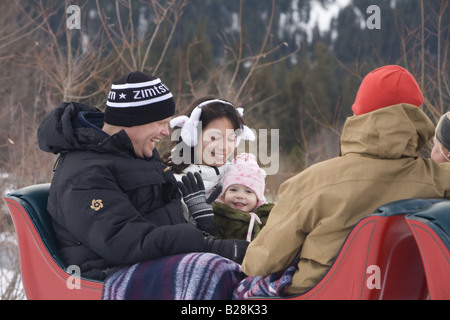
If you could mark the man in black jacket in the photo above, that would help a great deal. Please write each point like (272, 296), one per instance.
(113, 202)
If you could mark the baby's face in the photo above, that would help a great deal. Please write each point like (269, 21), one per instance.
(240, 197)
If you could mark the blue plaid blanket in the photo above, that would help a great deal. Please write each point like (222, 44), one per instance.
(273, 285)
(193, 276)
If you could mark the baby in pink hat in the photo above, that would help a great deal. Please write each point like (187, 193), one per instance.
(242, 209)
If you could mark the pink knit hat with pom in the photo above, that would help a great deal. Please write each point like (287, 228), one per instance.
(244, 170)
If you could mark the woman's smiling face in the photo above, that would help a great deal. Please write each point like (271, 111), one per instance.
(218, 142)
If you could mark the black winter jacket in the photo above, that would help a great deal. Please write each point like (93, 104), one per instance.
(110, 208)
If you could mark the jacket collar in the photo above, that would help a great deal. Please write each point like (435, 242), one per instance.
(389, 133)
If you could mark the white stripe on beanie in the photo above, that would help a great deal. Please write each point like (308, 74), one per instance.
(138, 103)
(136, 85)
(137, 94)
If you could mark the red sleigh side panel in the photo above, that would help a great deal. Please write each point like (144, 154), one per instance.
(43, 271)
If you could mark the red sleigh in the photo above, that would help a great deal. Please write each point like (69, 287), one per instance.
(431, 229)
(402, 251)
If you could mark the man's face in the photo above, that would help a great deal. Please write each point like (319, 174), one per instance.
(145, 137)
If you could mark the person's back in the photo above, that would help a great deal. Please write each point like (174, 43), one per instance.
(379, 163)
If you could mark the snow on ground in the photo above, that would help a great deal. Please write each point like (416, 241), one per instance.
(10, 281)
(7, 291)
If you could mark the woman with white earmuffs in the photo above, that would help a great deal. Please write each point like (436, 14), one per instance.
(204, 141)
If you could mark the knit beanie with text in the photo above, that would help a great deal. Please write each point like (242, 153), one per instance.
(138, 99)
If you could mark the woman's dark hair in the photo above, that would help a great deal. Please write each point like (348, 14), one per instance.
(209, 113)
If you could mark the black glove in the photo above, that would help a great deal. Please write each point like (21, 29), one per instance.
(227, 248)
(194, 196)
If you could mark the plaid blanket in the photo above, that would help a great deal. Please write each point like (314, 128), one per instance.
(273, 285)
(193, 276)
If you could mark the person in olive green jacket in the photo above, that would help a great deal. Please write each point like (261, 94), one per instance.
(242, 210)
(378, 164)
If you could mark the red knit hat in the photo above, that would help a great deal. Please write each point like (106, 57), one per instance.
(387, 86)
